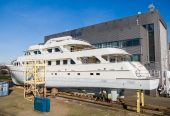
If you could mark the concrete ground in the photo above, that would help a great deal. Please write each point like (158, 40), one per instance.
(130, 96)
(16, 105)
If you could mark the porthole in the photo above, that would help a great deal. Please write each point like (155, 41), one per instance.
(68, 73)
(97, 73)
(78, 73)
(55, 73)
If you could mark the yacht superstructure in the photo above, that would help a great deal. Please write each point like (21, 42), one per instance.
(76, 63)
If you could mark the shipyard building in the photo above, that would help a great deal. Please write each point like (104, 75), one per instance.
(143, 35)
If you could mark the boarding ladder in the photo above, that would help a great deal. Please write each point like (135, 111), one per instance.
(34, 83)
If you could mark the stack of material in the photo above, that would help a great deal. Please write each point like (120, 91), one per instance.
(42, 104)
(4, 88)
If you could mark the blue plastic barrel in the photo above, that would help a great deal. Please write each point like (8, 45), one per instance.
(4, 88)
(47, 104)
(42, 104)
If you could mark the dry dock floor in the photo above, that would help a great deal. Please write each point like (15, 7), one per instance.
(16, 105)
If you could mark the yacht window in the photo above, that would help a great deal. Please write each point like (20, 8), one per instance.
(78, 73)
(27, 53)
(64, 62)
(68, 73)
(72, 62)
(135, 57)
(71, 49)
(58, 62)
(49, 50)
(49, 62)
(112, 60)
(97, 73)
(35, 52)
(39, 52)
(91, 73)
(57, 49)
(89, 60)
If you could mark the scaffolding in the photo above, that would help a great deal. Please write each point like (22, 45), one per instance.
(34, 83)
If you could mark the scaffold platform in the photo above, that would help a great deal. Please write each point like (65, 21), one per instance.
(34, 83)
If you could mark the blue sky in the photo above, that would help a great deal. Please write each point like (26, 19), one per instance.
(26, 22)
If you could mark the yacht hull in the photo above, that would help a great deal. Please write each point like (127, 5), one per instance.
(106, 79)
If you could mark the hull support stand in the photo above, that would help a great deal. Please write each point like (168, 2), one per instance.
(140, 100)
(114, 94)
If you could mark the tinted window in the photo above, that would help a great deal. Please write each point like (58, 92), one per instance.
(135, 57)
(122, 43)
(114, 44)
(72, 62)
(91, 73)
(136, 42)
(64, 61)
(103, 45)
(133, 42)
(150, 28)
(49, 50)
(129, 42)
(97, 73)
(71, 49)
(39, 52)
(35, 52)
(58, 62)
(57, 49)
(151, 46)
(49, 62)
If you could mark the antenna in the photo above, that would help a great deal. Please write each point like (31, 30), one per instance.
(151, 7)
